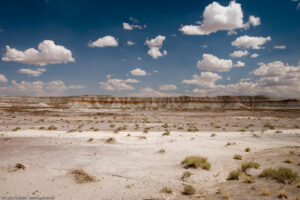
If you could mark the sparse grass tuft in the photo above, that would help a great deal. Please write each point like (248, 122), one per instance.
(234, 175)
(237, 157)
(226, 196)
(166, 133)
(265, 192)
(282, 194)
(195, 162)
(52, 128)
(249, 179)
(270, 126)
(162, 151)
(188, 190)
(166, 190)
(16, 129)
(110, 140)
(249, 165)
(282, 174)
(185, 175)
(288, 160)
(82, 176)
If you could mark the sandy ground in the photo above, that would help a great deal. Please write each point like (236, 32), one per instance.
(133, 168)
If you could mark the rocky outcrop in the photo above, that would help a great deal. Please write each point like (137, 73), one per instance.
(172, 103)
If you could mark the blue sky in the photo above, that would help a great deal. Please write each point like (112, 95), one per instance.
(180, 48)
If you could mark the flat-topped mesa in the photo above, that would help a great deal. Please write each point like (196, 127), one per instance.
(172, 103)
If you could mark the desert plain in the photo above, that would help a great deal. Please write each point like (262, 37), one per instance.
(144, 154)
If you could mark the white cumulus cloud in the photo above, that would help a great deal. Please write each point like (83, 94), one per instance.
(130, 43)
(168, 87)
(212, 63)
(3, 79)
(32, 72)
(48, 53)
(238, 54)
(155, 45)
(280, 47)
(217, 17)
(254, 55)
(239, 64)
(250, 42)
(112, 84)
(138, 72)
(106, 41)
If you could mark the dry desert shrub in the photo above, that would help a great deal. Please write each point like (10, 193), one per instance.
(52, 128)
(188, 190)
(166, 190)
(249, 165)
(234, 175)
(195, 162)
(248, 149)
(185, 175)
(237, 157)
(110, 140)
(16, 129)
(166, 133)
(213, 135)
(288, 160)
(81, 176)
(282, 194)
(265, 192)
(249, 179)
(162, 151)
(282, 174)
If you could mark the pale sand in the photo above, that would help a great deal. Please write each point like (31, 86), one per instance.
(131, 168)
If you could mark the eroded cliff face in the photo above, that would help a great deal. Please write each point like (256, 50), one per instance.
(151, 103)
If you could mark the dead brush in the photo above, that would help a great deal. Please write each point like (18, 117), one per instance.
(82, 177)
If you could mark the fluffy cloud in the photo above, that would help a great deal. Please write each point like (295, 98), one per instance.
(280, 47)
(155, 45)
(149, 92)
(106, 41)
(127, 26)
(213, 63)
(75, 87)
(205, 80)
(138, 72)
(36, 88)
(255, 21)
(250, 42)
(32, 72)
(217, 17)
(239, 64)
(130, 43)
(48, 53)
(238, 54)
(3, 79)
(112, 84)
(255, 55)
(274, 79)
(168, 87)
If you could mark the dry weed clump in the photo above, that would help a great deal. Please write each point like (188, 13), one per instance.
(195, 162)
(81, 176)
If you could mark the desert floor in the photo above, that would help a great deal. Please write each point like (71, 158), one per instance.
(128, 156)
